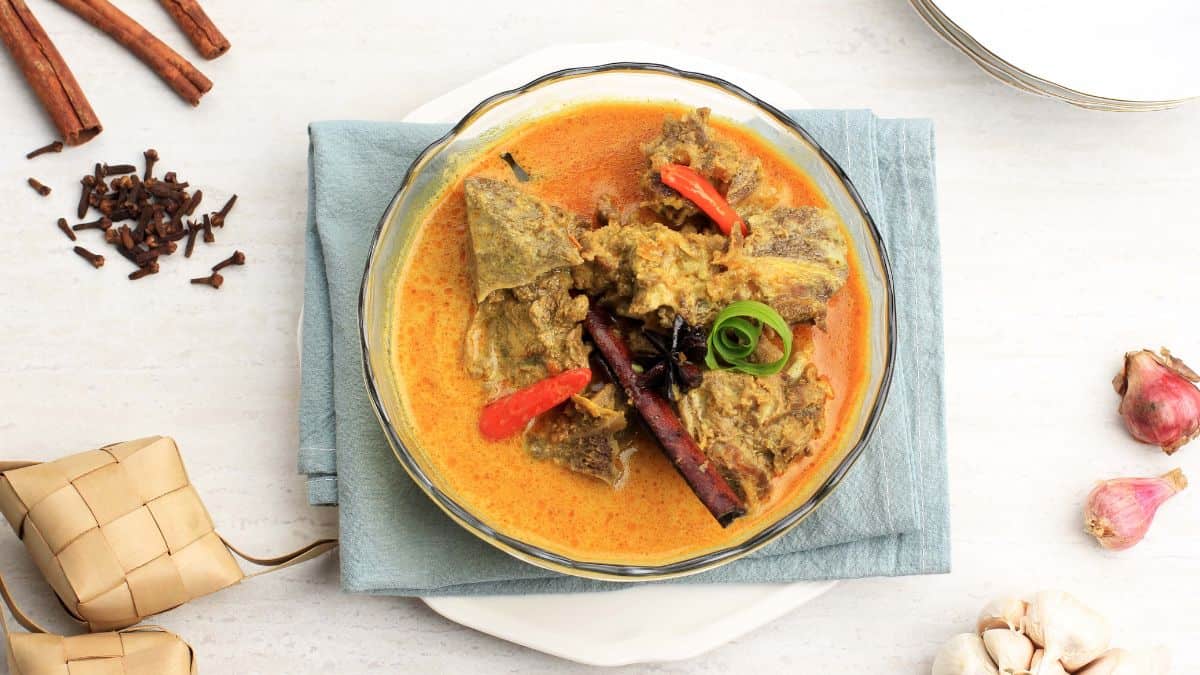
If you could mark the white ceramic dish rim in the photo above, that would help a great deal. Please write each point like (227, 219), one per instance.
(653, 623)
(1005, 71)
(1108, 50)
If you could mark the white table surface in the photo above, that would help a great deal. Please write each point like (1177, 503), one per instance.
(1068, 237)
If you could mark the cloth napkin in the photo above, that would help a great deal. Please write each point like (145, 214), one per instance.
(890, 516)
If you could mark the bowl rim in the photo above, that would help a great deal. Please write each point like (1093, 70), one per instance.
(555, 562)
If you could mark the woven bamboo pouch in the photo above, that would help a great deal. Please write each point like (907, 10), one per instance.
(120, 533)
(145, 650)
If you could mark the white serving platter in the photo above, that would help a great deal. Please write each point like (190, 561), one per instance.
(1111, 49)
(637, 624)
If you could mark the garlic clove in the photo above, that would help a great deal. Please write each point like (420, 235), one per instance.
(1159, 402)
(963, 654)
(1040, 666)
(1066, 629)
(1130, 662)
(1002, 613)
(1118, 512)
(1011, 650)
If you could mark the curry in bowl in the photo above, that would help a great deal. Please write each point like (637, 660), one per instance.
(630, 333)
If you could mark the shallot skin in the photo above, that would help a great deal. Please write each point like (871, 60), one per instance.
(1159, 402)
(1119, 511)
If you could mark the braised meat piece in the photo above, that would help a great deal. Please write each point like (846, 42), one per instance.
(690, 142)
(607, 211)
(515, 237)
(651, 272)
(588, 434)
(520, 335)
(541, 273)
(752, 427)
(794, 260)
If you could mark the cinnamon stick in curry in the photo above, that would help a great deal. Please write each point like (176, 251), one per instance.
(704, 479)
(175, 70)
(200, 30)
(47, 73)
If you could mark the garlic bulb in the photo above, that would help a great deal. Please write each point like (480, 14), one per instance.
(1040, 666)
(1051, 634)
(1127, 662)
(1011, 651)
(964, 654)
(1066, 630)
(1002, 613)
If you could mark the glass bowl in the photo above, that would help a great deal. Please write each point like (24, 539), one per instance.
(437, 165)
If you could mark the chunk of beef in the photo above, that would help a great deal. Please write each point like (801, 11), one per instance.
(588, 434)
(651, 272)
(515, 237)
(607, 211)
(794, 259)
(520, 335)
(690, 141)
(752, 427)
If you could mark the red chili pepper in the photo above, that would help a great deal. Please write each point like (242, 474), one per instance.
(509, 415)
(696, 188)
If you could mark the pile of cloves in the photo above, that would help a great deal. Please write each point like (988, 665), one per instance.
(145, 218)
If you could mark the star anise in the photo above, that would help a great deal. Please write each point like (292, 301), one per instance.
(673, 366)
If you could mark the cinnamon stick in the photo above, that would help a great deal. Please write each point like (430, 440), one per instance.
(709, 485)
(47, 73)
(200, 30)
(175, 70)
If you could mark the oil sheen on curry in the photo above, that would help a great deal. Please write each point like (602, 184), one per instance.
(630, 333)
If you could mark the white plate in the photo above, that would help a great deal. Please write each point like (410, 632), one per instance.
(640, 623)
(1115, 49)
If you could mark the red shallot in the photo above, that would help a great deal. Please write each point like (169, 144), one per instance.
(1119, 511)
(1159, 402)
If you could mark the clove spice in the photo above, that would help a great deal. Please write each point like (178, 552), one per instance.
(117, 169)
(151, 156)
(37, 185)
(192, 203)
(215, 280)
(85, 199)
(146, 271)
(62, 225)
(102, 224)
(55, 146)
(238, 258)
(191, 242)
(97, 261)
(219, 216)
(143, 217)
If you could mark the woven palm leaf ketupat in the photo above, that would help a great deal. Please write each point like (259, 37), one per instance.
(137, 651)
(144, 650)
(120, 534)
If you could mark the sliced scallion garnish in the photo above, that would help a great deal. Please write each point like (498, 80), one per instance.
(735, 334)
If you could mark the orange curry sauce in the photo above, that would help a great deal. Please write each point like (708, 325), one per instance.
(575, 156)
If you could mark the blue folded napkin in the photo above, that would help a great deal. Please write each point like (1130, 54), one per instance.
(890, 516)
